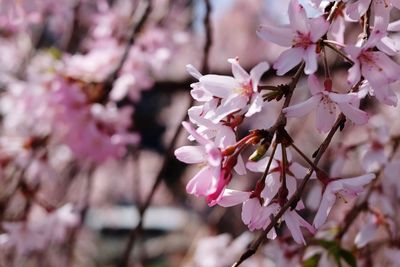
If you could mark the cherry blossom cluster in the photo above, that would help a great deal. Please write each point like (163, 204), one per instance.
(224, 104)
(71, 73)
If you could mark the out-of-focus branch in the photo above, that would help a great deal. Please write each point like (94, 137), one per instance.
(135, 233)
(138, 25)
(363, 204)
(84, 207)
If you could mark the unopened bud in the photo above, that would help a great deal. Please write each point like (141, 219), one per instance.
(259, 152)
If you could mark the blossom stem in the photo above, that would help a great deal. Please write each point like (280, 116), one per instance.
(326, 66)
(338, 51)
(309, 161)
(262, 178)
(295, 197)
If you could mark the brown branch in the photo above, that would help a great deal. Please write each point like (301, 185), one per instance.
(295, 198)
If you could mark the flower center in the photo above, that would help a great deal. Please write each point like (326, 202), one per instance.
(302, 40)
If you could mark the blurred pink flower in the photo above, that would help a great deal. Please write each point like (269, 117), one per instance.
(302, 35)
(348, 187)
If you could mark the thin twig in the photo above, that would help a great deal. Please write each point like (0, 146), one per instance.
(294, 199)
(338, 51)
(137, 27)
(169, 152)
(363, 204)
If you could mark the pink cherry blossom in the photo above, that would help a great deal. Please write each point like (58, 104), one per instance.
(273, 179)
(238, 93)
(348, 187)
(376, 67)
(205, 181)
(302, 35)
(326, 103)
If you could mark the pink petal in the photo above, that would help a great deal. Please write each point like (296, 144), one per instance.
(238, 72)
(303, 108)
(257, 72)
(278, 35)
(337, 29)
(193, 71)
(328, 199)
(199, 138)
(203, 183)
(272, 185)
(256, 105)
(319, 26)
(214, 156)
(288, 60)
(233, 197)
(298, 18)
(326, 115)
(218, 85)
(249, 209)
(298, 170)
(310, 58)
(394, 26)
(225, 136)
(357, 9)
(240, 168)
(294, 227)
(190, 154)
(366, 234)
(343, 98)
(354, 114)
(386, 95)
(314, 85)
(354, 74)
(228, 106)
(260, 165)
(387, 46)
(359, 180)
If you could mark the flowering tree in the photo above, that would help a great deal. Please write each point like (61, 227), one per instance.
(295, 189)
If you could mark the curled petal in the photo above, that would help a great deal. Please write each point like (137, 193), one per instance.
(257, 72)
(238, 72)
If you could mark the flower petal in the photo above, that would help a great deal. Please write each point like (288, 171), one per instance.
(303, 108)
(354, 114)
(278, 35)
(238, 72)
(190, 154)
(257, 72)
(233, 197)
(288, 60)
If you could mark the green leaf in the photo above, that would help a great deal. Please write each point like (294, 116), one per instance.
(312, 261)
(348, 257)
